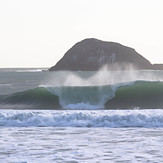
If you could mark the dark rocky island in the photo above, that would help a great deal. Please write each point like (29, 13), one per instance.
(93, 54)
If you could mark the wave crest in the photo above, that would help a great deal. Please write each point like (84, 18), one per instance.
(141, 94)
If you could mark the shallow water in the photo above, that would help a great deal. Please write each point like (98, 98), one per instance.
(68, 144)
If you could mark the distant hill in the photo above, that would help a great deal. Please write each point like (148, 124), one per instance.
(92, 54)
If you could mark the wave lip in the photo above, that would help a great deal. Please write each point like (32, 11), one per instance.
(83, 97)
(98, 118)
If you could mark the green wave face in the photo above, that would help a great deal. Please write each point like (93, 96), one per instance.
(140, 95)
(38, 98)
(78, 97)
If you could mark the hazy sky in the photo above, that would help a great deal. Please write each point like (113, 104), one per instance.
(37, 33)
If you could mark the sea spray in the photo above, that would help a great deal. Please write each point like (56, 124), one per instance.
(99, 78)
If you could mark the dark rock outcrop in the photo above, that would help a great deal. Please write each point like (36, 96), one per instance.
(92, 54)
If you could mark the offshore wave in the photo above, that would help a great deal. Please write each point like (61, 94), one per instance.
(138, 94)
(143, 94)
(38, 98)
(97, 118)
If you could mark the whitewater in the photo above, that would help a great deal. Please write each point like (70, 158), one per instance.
(80, 118)
(106, 116)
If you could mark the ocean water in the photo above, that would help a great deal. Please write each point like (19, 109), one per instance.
(81, 116)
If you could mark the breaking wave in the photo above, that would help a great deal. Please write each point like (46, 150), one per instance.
(96, 118)
(138, 94)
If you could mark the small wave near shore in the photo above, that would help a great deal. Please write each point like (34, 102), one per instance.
(78, 118)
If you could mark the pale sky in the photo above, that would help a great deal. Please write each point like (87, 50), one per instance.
(37, 33)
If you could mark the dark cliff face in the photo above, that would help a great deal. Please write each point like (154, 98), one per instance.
(92, 54)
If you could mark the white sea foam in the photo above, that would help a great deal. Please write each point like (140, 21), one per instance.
(82, 145)
(82, 106)
(82, 118)
(29, 70)
(2, 85)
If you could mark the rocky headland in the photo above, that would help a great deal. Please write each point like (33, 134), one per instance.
(93, 54)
